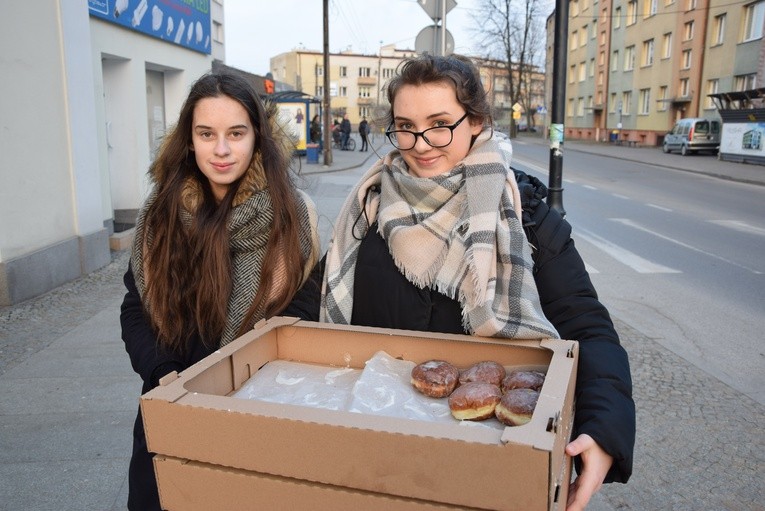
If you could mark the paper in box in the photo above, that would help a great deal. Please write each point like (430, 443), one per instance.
(250, 449)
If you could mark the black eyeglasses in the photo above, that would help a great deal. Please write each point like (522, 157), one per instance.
(437, 136)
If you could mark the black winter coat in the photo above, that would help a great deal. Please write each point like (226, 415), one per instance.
(383, 297)
(151, 364)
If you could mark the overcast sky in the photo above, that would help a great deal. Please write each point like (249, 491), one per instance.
(256, 30)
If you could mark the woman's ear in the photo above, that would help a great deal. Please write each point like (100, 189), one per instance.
(476, 127)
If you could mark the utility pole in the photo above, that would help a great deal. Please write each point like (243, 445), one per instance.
(555, 184)
(326, 100)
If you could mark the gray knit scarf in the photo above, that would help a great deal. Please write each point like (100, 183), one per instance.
(249, 227)
(458, 233)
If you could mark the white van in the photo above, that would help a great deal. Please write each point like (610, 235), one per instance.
(693, 134)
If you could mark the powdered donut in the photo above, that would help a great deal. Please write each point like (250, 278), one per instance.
(486, 372)
(435, 378)
(523, 380)
(516, 406)
(474, 401)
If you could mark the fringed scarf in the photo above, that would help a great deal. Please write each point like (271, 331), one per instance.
(458, 233)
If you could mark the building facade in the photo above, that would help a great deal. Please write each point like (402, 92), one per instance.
(93, 89)
(637, 66)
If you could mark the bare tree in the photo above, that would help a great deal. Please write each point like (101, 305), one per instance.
(508, 32)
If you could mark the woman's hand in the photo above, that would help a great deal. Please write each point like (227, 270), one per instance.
(595, 465)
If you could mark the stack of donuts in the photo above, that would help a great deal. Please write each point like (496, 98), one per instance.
(481, 391)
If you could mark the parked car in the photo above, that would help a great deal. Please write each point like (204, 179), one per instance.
(693, 134)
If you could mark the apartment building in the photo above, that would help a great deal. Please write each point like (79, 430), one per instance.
(636, 66)
(90, 89)
(357, 83)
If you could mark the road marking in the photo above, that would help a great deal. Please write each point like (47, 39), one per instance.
(630, 223)
(624, 256)
(662, 208)
(620, 196)
(740, 226)
(589, 268)
(589, 187)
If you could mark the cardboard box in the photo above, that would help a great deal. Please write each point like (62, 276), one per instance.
(275, 456)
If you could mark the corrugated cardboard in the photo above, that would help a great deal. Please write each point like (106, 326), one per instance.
(192, 421)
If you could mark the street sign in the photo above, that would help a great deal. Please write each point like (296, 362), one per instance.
(429, 40)
(517, 107)
(516, 115)
(433, 7)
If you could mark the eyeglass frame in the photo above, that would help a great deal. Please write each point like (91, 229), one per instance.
(416, 134)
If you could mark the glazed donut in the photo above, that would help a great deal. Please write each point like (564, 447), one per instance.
(486, 372)
(474, 401)
(435, 378)
(523, 380)
(516, 406)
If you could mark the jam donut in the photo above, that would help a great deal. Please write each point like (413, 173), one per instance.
(523, 380)
(435, 378)
(474, 401)
(486, 372)
(516, 406)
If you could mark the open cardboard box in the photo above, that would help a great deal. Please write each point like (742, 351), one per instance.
(249, 454)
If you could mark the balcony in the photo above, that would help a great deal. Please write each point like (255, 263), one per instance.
(365, 101)
(367, 80)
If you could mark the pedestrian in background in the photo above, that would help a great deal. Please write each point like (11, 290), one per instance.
(363, 133)
(345, 132)
(223, 240)
(315, 130)
(466, 244)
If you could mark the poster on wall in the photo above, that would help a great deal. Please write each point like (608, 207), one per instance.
(743, 139)
(183, 22)
(293, 119)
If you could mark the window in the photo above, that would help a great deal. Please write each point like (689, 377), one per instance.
(632, 12)
(647, 58)
(342, 91)
(594, 31)
(388, 72)
(662, 106)
(580, 107)
(683, 90)
(618, 17)
(603, 38)
(600, 97)
(319, 70)
(645, 101)
(686, 59)
(626, 102)
(688, 31)
(574, 40)
(582, 71)
(629, 58)
(572, 74)
(666, 46)
(754, 15)
(583, 36)
(319, 91)
(712, 86)
(574, 7)
(612, 103)
(592, 67)
(745, 82)
(719, 30)
(600, 79)
(602, 58)
(365, 71)
(364, 111)
(570, 107)
(217, 32)
(585, 5)
(614, 61)
(650, 8)
(690, 5)
(343, 71)
(365, 92)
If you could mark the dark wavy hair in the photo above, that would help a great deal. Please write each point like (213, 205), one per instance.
(188, 270)
(456, 70)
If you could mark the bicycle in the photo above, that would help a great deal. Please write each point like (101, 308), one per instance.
(351, 144)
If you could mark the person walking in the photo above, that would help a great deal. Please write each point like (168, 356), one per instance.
(315, 130)
(345, 132)
(223, 240)
(363, 133)
(443, 235)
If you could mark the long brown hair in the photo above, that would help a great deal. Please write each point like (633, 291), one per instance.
(188, 269)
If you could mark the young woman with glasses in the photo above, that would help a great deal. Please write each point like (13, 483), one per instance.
(442, 235)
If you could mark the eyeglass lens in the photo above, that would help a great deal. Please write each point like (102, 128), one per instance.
(436, 137)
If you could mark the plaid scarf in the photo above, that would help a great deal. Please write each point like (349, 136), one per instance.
(458, 233)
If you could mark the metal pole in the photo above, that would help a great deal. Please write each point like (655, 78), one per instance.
(443, 28)
(326, 100)
(555, 185)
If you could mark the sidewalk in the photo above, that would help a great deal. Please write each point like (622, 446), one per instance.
(70, 396)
